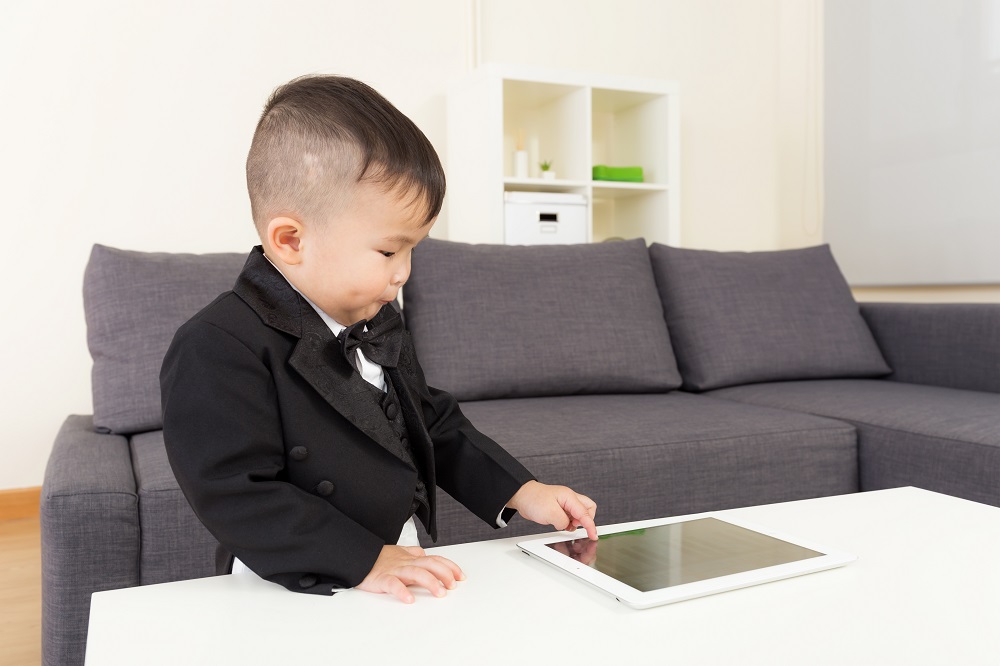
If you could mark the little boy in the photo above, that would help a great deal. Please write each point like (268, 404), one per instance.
(295, 415)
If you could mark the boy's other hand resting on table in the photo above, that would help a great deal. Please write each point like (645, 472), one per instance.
(399, 566)
(558, 506)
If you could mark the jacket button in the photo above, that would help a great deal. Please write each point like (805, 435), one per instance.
(299, 453)
(307, 581)
(390, 410)
(324, 488)
(405, 442)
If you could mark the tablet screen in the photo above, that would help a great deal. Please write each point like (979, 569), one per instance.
(667, 555)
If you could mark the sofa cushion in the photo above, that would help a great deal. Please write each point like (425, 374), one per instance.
(648, 456)
(174, 543)
(746, 317)
(134, 302)
(941, 439)
(499, 321)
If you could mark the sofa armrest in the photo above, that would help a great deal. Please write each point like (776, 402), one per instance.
(955, 345)
(90, 532)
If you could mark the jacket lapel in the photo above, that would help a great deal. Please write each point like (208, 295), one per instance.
(317, 355)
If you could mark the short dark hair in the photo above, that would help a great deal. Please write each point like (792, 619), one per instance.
(320, 135)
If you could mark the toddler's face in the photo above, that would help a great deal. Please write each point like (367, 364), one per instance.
(356, 262)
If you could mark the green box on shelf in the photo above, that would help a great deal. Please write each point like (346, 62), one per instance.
(631, 174)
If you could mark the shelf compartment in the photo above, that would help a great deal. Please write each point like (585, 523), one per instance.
(616, 214)
(630, 129)
(551, 118)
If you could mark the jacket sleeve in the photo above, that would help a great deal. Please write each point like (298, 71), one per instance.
(470, 466)
(223, 437)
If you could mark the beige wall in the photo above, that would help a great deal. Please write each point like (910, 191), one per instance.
(799, 124)
(127, 123)
(724, 53)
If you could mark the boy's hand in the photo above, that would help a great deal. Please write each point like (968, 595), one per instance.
(399, 566)
(558, 506)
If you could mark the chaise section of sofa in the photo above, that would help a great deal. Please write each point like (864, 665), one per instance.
(935, 421)
(920, 383)
(941, 439)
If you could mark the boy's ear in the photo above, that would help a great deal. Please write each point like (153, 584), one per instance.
(284, 235)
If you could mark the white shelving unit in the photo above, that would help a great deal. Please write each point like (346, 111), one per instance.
(576, 121)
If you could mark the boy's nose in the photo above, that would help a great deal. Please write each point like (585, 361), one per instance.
(402, 274)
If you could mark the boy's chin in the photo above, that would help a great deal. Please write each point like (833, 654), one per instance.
(373, 310)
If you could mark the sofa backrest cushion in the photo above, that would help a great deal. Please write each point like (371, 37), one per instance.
(746, 317)
(133, 303)
(501, 321)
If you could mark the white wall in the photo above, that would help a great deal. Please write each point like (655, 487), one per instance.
(127, 124)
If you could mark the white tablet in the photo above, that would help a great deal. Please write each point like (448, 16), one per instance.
(661, 561)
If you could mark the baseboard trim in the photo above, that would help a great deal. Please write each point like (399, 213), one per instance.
(18, 503)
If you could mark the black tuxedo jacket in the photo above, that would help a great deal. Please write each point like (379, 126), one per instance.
(279, 448)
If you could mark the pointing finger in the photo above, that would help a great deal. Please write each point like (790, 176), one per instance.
(581, 515)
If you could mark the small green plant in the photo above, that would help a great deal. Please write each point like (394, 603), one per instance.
(546, 165)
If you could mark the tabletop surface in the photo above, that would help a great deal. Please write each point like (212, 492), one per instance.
(925, 590)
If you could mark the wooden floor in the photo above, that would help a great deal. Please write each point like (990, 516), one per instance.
(20, 593)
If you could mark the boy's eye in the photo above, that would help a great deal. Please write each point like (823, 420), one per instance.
(388, 254)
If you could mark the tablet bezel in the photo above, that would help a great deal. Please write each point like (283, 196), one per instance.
(828, 559)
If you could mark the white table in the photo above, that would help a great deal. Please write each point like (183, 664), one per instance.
(925, 590)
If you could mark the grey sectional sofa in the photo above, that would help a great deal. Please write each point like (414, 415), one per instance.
(658, 381)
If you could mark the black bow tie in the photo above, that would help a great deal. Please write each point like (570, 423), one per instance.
(382, 341)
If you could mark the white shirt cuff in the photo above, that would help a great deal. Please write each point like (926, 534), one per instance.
(500, 521)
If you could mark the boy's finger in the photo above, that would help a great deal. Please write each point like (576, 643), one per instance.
(456, 571)
(587, 523)
(581, 516)
(416, 575)
(392, 585)
(442, 571)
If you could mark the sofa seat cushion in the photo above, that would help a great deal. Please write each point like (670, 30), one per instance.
(500, 321)
(648, 456)
(941, 439)
(174, 543)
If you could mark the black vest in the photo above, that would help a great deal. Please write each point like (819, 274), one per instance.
(389, 403)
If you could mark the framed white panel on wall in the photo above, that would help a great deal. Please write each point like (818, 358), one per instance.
(912, 141)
